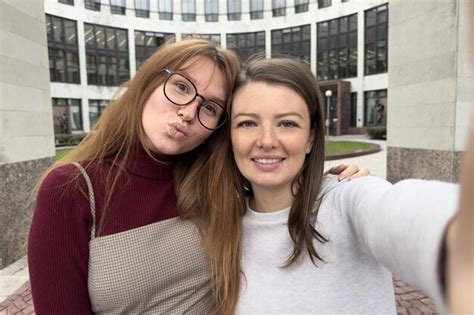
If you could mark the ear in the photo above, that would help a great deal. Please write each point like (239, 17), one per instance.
(309, 145)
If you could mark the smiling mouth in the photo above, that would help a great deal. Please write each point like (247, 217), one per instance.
(267, 161)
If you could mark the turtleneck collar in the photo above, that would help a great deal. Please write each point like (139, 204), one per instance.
(142, 164)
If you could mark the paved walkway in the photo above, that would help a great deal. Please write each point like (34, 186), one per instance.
(15, 292)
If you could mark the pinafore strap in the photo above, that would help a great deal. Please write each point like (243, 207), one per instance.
(91, 196)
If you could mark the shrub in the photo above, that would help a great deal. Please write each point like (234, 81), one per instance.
(65, 139)
(377, 132)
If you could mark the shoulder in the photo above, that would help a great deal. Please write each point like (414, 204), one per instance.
(60, 177)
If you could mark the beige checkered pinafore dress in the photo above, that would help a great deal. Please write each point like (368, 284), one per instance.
(159, 268)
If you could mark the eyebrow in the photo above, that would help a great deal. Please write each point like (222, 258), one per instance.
(276, 116)
(193, 80)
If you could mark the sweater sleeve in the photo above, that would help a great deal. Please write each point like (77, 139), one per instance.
(402, 226)
(58, 250)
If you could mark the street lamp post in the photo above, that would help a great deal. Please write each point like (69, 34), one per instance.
(328, 108)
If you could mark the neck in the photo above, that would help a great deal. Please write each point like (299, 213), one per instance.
(270, 200)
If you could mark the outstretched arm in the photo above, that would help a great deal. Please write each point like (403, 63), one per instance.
(460, 242)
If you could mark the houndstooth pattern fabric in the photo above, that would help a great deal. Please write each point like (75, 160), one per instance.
(159, 268)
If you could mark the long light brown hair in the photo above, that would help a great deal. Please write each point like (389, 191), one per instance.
(232, 187)
(119, 130)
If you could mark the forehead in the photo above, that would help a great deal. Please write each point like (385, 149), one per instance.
(205, 75)
(264, 98)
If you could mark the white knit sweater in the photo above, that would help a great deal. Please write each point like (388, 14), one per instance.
(372, 227)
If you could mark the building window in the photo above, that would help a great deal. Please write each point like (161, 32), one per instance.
(301, 6)
(96, 107)
(376, 35)
(62, 49)
(375, 108)
(188, 10)
(67, 115)
(106, 55)
(117, 7)
(165, 9)
(256, 9)
(215, 38)
(247, 44)
(146, 43)
(70, 2)
(278, 7)
(93, 5)
(142, 8)
(324, 3)
(211, 10)
(353, 109)
(337, 48)
(293, 41)
(234, 10)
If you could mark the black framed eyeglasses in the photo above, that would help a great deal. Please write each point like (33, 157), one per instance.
(181, 91)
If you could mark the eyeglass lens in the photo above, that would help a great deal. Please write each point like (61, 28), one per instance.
(181, 91)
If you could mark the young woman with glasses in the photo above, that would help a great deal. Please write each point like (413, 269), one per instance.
(106, 234)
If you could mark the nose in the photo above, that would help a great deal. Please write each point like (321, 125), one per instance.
(188, 112)
(267, 139)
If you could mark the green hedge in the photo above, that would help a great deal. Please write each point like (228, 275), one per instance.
(377, 132)
(65, 139)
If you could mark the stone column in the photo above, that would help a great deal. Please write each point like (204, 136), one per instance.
(429, 88)
(27, 136)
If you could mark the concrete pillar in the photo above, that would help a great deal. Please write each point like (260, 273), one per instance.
(27, 136)
(429, 88)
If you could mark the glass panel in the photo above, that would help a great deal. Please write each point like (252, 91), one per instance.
(370, 18)
(60, 66)
(122, 41)
(110, 38)
(58, 29)
(100, 36)
(70, 32)
(343, 24)
(382, 14)
(124, 72)
(76, 117)
(112, 70)
(89, 35)
(276, 37)
(91, 69)
(353, 22)
(139, 38)
(333, 27)
(72, 67)
(323, 29)
(102, 70)
(261, 39)
(49, 28)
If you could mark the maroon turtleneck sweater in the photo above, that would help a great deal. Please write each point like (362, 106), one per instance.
(58, 249)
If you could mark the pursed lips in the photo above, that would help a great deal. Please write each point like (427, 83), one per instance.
(179, 129)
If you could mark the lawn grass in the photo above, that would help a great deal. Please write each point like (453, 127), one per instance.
(60, 153)
(332, 147)
(339, 147)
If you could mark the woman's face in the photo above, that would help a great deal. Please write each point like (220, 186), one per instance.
(270, 132)
(173, 129)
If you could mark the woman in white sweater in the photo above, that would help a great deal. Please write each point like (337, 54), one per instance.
(308, 243)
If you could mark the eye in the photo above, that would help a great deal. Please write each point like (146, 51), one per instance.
(246, 124)
(288, 124)
(211, 109)
(182, 88)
